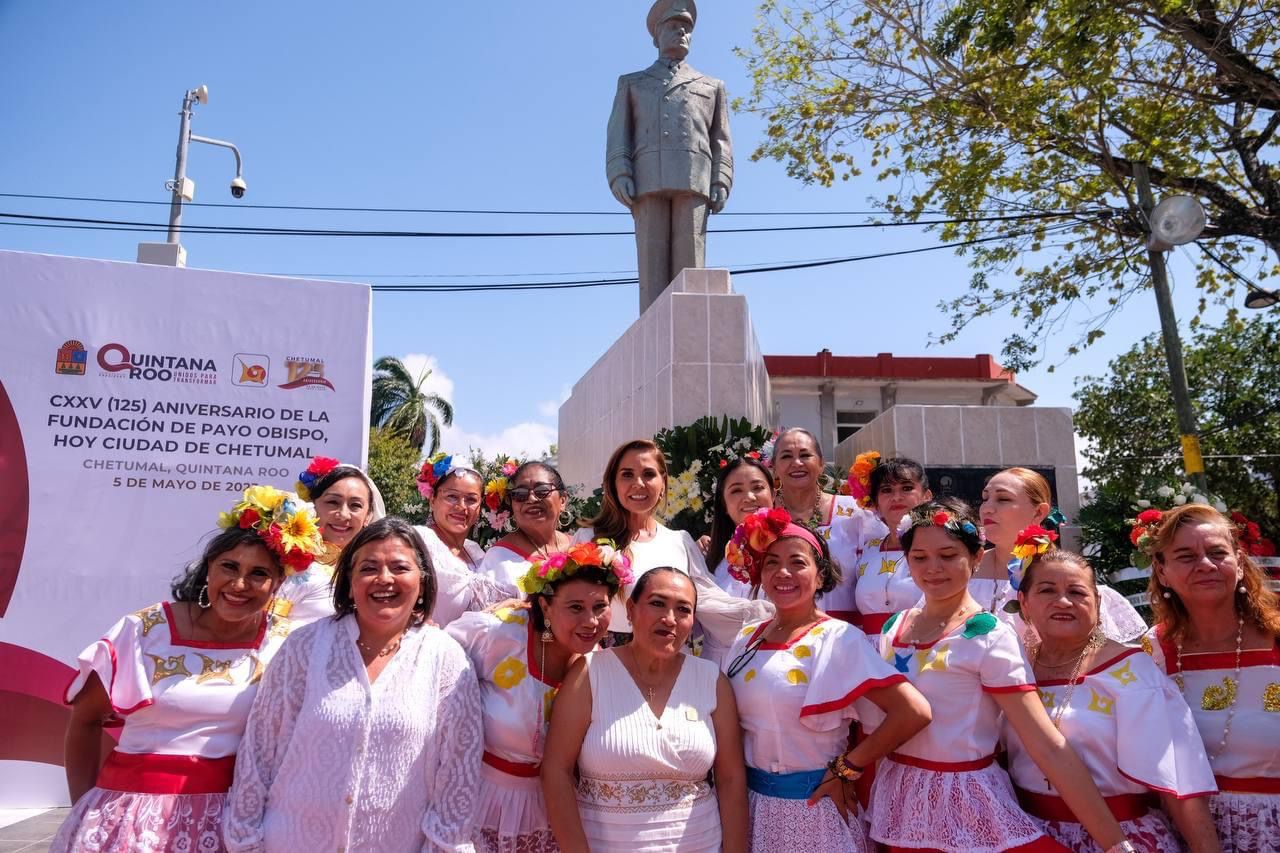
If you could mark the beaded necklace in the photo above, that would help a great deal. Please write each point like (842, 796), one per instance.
(1231, 685)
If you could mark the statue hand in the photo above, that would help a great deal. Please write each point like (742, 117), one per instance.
(719, 195)
(624, 190)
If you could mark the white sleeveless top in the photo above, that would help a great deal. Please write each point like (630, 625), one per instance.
(643, 783)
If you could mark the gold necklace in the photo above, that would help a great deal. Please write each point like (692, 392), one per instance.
(1056, 717)
(389, 649)
(545, 550)
(947, 626)
(1231, 686)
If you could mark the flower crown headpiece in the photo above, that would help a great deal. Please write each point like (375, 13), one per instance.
(766, 449)
(600, 554)
(1143, 534)
(319, 468)
(431, 471)
(1033, 541)
(288, 526)
(752, 538)
(859, 482)
(732, 456)
(948, 521)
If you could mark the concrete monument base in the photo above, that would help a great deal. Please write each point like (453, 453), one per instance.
(693, 352)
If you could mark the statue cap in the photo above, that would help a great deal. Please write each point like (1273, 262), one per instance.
(665, 10)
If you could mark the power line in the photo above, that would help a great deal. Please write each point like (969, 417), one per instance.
(616, 282)
(259, 231)
(444, 210)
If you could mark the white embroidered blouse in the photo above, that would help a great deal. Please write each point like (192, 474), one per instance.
(332, 762)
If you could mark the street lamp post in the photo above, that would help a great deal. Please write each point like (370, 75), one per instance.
(1192, 461)
(171, 252)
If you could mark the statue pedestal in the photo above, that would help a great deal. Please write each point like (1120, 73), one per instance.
(693, 352)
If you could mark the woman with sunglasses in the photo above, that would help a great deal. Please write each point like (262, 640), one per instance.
(537, 497)
(799, 679)
(453, 510)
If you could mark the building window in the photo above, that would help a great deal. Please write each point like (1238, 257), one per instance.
(847, 423)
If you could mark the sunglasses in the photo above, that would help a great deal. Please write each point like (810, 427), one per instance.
(541, 491)
(740, 663)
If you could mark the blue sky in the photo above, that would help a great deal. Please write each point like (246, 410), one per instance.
(466, 105)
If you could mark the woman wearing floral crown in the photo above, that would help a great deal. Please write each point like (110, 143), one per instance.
(799, 679)
(1127, 722)
(1012, 500)
(521, 657)
(1217, 635)
(454, 496)
(180, 676)
(634, 484)
(537, 499)
(970, 667)
(345, 500)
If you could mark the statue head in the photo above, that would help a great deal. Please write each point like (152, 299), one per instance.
(671, 24)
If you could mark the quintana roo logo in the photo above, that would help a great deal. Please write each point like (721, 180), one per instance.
(72, 359)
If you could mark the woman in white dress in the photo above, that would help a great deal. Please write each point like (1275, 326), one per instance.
(537, 498)
(643, 725)
(634, 484)
(1217, 636)
(521, 657)
(345, 500)
(1119, 712)
(180, 676)
(970, 667)
(453, 510)
(1012, 500)
(797, 468)
(366, 733)
(799, 680)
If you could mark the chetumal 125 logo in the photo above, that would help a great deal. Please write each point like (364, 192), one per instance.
(250, 370)
(72, 359)
(305, 373)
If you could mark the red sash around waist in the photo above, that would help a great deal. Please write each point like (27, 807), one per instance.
(153, 773)
(1258, 785)
(941, 766)
(1046, 807)
(511, 768)
(853, 617)
(872, 623)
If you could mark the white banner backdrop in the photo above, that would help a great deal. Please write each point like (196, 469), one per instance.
(136, 402)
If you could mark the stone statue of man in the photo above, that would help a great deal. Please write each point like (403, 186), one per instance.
(668, 157)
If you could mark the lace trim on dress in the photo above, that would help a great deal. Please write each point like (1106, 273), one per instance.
(639, 796)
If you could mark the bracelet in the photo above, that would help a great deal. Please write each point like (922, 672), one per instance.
(842, 769)
(1125, 846)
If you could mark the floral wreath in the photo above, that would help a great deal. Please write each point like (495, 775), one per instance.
(432, 470)
(859, 482)
(287, 525)
(766, 449)
(319, 468)
(733, 456)
(753, 537)
(948, 521)
(1143, 535)
(1033, 541)
(600, 554)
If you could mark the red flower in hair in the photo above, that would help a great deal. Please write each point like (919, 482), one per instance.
(754, 454)
(249, 518)
(941, 517)
(321, 466)
(724, 463)
(1150, 516)
(779, 518)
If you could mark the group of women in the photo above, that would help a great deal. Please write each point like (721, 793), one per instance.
(879, 671)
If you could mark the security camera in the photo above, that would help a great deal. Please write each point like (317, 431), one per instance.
(238, 187)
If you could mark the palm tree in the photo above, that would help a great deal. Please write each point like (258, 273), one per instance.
(400, 406)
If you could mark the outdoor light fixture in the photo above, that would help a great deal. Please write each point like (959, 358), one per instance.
(1177, 220)
(1259, 298)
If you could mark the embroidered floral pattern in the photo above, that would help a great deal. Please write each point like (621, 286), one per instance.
(1271, 698)
(644, 795)
(1217, 698)
(509, 673)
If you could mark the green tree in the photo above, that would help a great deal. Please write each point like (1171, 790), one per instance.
(393, 467)
(990, 108)
(400, 406)
(1128, 419)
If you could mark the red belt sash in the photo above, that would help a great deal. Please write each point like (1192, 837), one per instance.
(941, 766)
(152, 773)
(872, 623)
(1259, 785)
(853, 617)
(1046, 807)
(512, 768)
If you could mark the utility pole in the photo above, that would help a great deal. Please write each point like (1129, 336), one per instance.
(1192, 461)
(180, 170)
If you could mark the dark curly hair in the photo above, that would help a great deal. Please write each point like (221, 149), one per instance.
(187, 586)
(344, 603)
(898, 469)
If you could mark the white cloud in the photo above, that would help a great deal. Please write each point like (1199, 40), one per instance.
(551, 408)
(527, 439)
(438, 382)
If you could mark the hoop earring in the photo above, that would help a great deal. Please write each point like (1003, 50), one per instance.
(202, 598)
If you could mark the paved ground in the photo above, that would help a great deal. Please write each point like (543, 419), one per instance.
(32, 834)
